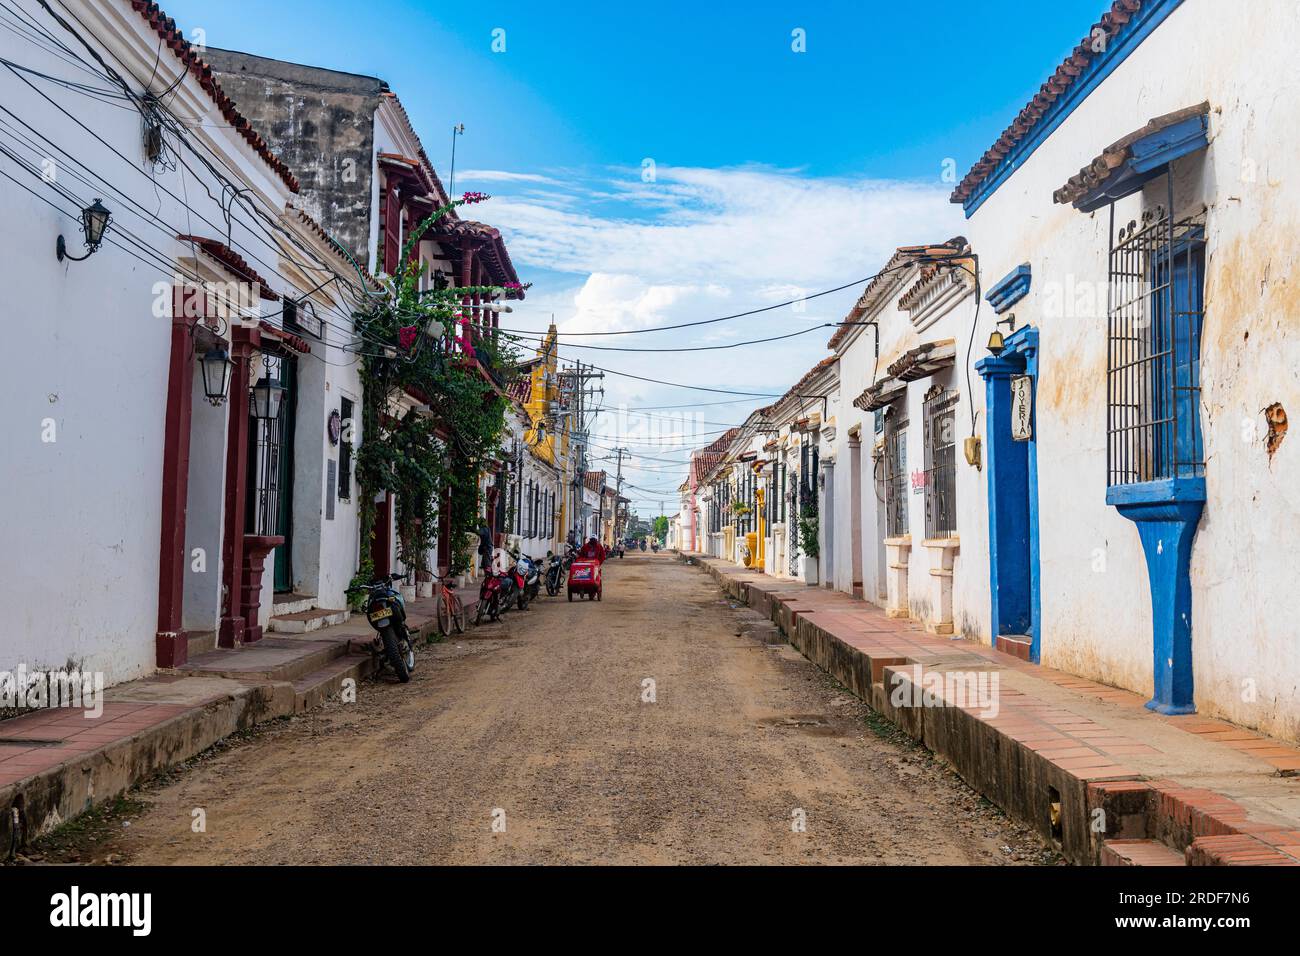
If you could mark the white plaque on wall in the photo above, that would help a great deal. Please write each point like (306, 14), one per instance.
(1022, 408)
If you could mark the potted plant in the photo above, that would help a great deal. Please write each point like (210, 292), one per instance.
(423, 584)
(803, 536)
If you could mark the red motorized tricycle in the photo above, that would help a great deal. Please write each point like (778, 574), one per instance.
(584, 578)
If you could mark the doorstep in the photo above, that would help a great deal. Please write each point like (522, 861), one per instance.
(58, 763)
(1059, 747)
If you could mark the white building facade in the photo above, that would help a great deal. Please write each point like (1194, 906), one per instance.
(1143, 521)
(146, 472)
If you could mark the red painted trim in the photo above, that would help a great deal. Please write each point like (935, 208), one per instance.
(392, 228)
(256, 548)
(245, 340)
(381, 545)
(171, 648)
(295, 342)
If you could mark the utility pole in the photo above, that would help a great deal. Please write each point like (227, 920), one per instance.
(575, 384)
(618, 489)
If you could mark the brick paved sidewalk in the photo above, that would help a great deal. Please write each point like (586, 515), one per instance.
(1057, 748)
(59, 762)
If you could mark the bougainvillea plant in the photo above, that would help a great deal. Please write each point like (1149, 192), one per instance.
(409, 345)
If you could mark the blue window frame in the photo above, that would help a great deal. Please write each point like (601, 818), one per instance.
(1157, 276)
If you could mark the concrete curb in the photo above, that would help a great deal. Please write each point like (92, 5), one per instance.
(37, 804)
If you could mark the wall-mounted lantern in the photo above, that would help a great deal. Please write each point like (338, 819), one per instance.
(215, 365)
(94, 222)
(268, 394)
(996, 342)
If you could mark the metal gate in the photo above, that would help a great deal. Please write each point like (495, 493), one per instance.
(940, 463)
(896, 472)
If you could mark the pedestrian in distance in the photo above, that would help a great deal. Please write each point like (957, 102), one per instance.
(485, 547)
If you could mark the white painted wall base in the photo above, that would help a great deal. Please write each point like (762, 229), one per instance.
(897, 553)
(942, 552)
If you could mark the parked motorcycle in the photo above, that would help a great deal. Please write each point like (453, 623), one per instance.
(496, 595)
(556, 569)
(531, 579)
(386, 612)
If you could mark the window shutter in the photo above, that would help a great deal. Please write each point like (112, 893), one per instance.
(392, 228)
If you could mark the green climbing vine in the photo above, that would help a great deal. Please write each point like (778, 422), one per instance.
(444, 445)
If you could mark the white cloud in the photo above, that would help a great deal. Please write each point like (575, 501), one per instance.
(609, 252)
(753, 225)
(504, 176)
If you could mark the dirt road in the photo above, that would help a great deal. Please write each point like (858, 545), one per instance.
(546, 725)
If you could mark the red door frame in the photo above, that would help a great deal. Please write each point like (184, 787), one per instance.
(381, 544)
(171, 648)
(244, 341)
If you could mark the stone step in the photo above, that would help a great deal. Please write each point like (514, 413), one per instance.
(1242, 849)
(1140, 853)
(270, 659)
(315, 688)
(1017, 645)
(300, 622)
(200, 642)
(292, 603)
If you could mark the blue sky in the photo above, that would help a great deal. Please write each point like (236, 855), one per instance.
(776, 173)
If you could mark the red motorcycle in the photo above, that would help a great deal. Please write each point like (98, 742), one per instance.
(500, 591)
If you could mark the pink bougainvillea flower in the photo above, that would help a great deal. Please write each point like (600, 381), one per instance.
(470, 198)
(407, 335)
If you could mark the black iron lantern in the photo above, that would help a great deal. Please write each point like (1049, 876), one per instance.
(268, 393)
(996, 342)
(215, 365)
(94, 222)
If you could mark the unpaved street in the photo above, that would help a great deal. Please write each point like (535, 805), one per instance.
(539, 723)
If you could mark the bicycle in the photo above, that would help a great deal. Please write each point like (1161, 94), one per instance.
(451, 612)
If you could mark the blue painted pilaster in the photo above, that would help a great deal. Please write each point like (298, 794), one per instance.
(1166, 513)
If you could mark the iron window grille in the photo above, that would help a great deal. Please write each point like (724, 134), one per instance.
(795, 489)
(269, 463)
(1155, 312)
(896, 473)
(345, 450)
(940, 463)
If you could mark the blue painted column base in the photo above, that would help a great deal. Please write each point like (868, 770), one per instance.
(1166, 513)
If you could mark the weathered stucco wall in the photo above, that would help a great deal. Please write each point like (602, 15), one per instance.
(321, 123)
(88, 397)
(858, 367)
(1095, 602)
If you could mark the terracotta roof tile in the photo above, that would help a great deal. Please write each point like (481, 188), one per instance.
(234, 263)
(424, 158)
(1117, 153)
(167, 30)
(883, 281)
(1107, 28)
(319, 230)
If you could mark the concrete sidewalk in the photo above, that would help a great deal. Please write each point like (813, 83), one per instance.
(59, 762)
(1086, 764)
